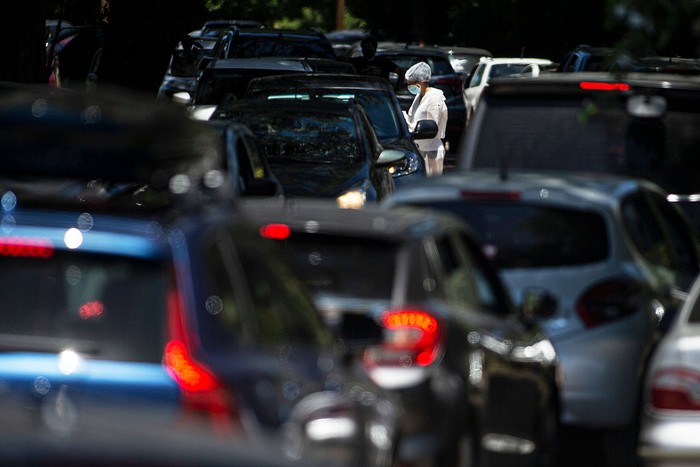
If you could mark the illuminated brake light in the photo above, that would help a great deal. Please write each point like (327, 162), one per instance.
(190, 375)
(202, 391)
(275, 231)
(26, 247)
(491, 195)
(597, 86)
(675, 389)
(412, 337)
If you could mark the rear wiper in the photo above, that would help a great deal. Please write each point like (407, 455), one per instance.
(17, 343)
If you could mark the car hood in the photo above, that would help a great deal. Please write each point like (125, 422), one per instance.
(302, 179)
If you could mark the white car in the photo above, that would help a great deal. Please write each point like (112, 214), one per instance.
(615, 257)
(670, 421)
(493, 67)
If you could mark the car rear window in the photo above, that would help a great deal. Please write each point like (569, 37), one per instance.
(333, 264)
(593, 136)
(532, 236)
(109, 307)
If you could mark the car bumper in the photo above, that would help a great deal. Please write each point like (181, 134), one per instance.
(669, 441)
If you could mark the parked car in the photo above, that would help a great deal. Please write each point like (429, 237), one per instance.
(270, 42)
(669, 420)
(443, 77)
(114, 308)
(228, 79)
(612, 254)
(494, 67)
(464, 59)
(633, 124)
(375, 95)
(477, 378)
(318, 149)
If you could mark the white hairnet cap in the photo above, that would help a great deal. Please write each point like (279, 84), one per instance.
(418, 72)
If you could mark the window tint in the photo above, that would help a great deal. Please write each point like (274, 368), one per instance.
(594, 135)
(466, 284)
(507, 69)
(645, 231)
(333, 264)
(282, 309)
(530, 236)
(111, 307)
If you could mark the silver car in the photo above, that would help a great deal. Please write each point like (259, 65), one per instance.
(670, 420)
(614, 256)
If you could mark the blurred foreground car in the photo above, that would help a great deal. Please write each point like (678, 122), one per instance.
(613, 255)
(175, 308)
(377, 98)
(318, 149)
(477, 379)
(670, 419)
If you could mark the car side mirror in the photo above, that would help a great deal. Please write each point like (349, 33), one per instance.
(538, 303)
(390, 156)
(182, 97)
(425, 129)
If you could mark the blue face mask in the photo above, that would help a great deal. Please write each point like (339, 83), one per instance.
(413, 89)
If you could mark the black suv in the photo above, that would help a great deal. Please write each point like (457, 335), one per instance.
(268, 42)
(635, 124)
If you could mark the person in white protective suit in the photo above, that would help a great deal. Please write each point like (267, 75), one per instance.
(429, 104)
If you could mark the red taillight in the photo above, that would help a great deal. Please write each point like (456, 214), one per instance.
(26, 247)
(675, 389)
(597, 86)
(202, 392)
(190, 375)
(609, 301)
(275, 231)
(473, 195)
(411, 337)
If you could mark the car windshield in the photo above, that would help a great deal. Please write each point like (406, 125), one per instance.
(532, 236)
(332, 263)
(302, 136)
(506, 69)
(106, 306)
(378, 106)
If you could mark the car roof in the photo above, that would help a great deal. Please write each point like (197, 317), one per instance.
(557, 187)
(523, 60)
(458, 50)
(413, 50)
(309, 106)
(324, 216)
(321, 80)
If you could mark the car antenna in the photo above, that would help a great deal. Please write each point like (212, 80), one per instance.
(522, 52)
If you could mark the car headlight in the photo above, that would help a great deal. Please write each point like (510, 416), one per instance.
(353, 199)
(407, 166)
(542, 352)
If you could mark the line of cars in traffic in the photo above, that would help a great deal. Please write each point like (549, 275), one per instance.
(598, 268)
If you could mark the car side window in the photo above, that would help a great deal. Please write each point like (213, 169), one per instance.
(645, 231)
(282, 305)
(467, 283)
(681, 237)
(478, 75)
